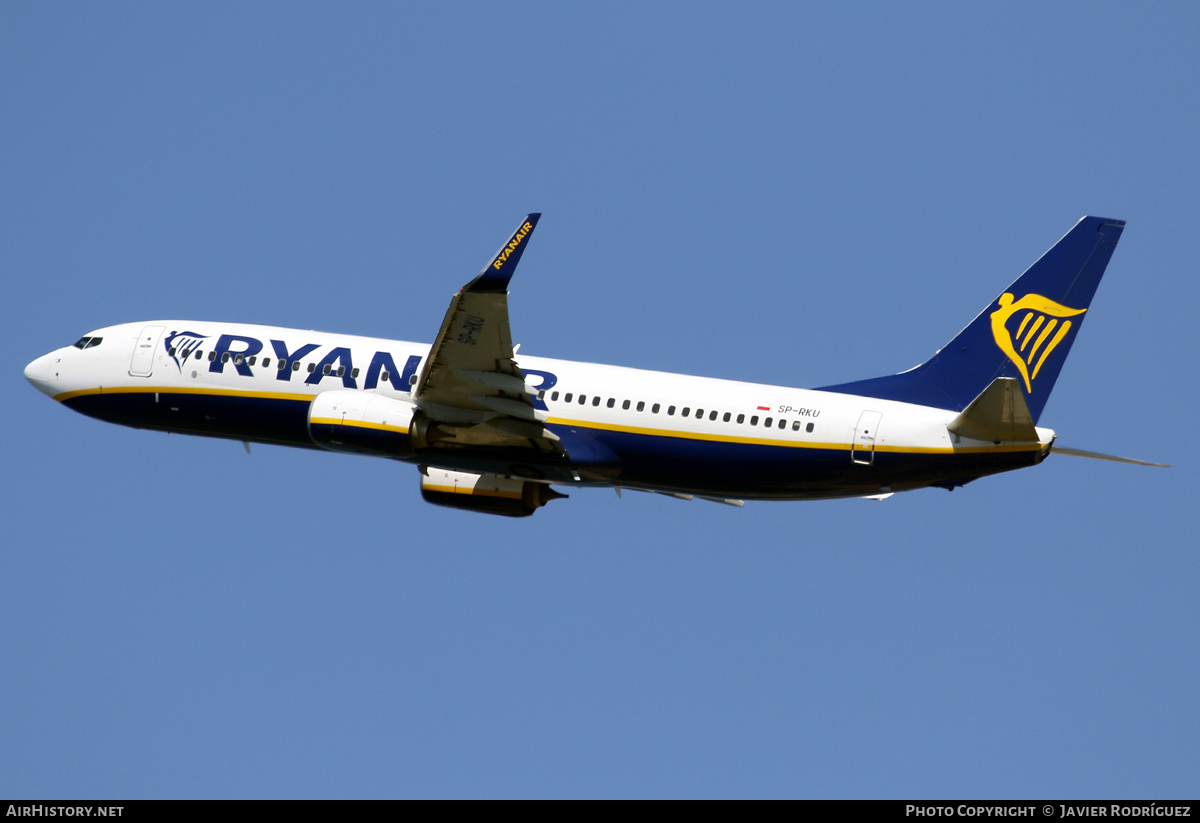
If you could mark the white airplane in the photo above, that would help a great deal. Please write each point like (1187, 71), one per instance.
(490, 431)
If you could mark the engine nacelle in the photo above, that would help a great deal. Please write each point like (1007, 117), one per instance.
(488, 493)
(361, 422)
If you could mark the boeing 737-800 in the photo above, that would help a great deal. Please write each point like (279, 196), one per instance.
(490, 431)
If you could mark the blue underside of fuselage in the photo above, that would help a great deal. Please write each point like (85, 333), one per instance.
(598, 456)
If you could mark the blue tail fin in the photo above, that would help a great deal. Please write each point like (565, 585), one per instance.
(1024, 333)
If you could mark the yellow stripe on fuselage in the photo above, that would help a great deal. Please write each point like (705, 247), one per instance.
(790, 444)
(183, 390)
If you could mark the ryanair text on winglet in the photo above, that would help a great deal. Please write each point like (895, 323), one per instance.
(512, 245)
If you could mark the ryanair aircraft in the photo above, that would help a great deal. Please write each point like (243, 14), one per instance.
(491, 431)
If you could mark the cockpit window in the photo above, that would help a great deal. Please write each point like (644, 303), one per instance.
(88, 342)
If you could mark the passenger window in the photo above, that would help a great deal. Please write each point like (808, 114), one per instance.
(385, 376)
(212, 357)
(796, 426)
(341, 371)
(238, 360)
(553, 395)
(253, 359)
(653, 408)
(296, 365)
(225, 357)
(612, 401)
(354, 373)
(754, 420)
(726, 417)
(324, 369)
(782, 423)
(312, 367)
(625, 405)
(741, 418)
(199, 354)
(596, 400)
(713, 416)
(642, 405)
(809, 428)
(567, 399)
(767, 422)
(686, 411)
(542, 394)
(699, 414)
(281, 365)
(671, 410)
(171, 351)
(582, 399)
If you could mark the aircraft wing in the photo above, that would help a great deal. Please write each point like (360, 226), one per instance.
(470, 389)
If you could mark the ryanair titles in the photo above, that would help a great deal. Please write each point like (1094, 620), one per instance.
(245, 354)
(242, 352)
(512, 246)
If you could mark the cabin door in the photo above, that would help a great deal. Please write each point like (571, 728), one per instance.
(142, 363)
(862, 450)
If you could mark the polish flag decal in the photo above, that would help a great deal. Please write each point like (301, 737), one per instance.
(764, 408)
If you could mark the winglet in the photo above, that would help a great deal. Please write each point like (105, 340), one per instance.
(497, 273)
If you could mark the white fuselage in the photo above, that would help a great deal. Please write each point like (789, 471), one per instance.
(629, 427)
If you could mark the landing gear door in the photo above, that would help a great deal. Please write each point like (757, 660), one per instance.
(142, 363)
(862, 450)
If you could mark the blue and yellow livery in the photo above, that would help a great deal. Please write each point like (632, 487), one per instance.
(491, 432)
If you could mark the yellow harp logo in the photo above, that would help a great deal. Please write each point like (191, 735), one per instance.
(1034, 338)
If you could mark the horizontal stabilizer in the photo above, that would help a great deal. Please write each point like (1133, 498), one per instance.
(1113, 458)
(998, 414)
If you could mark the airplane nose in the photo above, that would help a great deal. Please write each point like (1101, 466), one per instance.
(40, 375)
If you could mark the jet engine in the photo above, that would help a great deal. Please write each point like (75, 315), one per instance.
(361, 423)
(488, 493)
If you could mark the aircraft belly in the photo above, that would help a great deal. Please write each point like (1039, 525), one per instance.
(756, 471)
(259, 419)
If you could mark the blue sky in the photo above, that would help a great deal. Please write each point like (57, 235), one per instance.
(785, 193)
